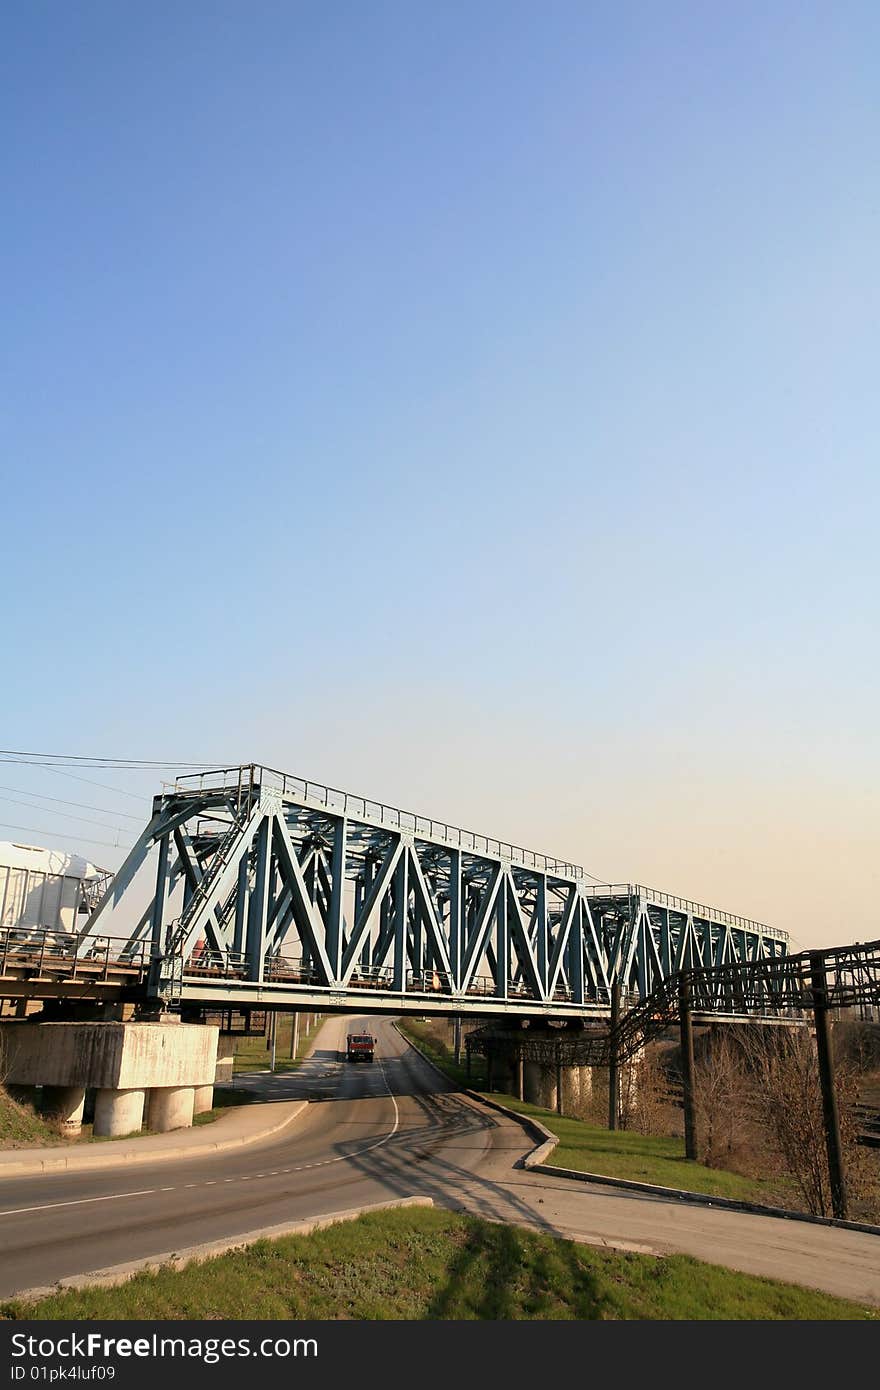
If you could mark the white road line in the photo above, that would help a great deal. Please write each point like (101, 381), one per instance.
(245, 1177)
(81, 1201)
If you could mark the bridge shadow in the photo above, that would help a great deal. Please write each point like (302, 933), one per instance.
(492, 1275)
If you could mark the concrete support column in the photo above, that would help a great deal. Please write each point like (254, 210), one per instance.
(225, 1054)
(585, 1084)
(532, 1083)
(571, 1090)
(170, 1107)
(118, 1111)
(547, 1088)
(64, 1105)
(203, 1099)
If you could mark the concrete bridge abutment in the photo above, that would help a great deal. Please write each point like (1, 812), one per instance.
(137, 1071)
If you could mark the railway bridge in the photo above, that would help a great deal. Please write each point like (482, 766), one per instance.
(253, 887)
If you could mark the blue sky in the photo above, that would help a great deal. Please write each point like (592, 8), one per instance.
(472, 405)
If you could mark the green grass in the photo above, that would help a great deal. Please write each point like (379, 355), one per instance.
(639, 1157)
(424, 1263)
(22, 1128)
(253, 1054)
(425, 1039)
(590, 1148)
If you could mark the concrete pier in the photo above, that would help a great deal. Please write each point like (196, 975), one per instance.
(65, 1105)
(540, 1085)
(118, 1111)
(203, 1099)
(225, 1058)
(170, 1107)
(571, 1091)
(122, 1063)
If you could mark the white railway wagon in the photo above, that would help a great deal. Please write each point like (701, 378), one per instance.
(44, 887)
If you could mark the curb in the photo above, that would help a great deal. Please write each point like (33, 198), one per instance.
(84, 1162)
(702, 1199)
(114, 1275)
(536, 1162)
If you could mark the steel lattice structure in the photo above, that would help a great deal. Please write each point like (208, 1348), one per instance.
(781, 991)
(269, 888)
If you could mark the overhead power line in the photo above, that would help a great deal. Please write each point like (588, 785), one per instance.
(53, 834)
(68, 815)
(82, 805)
(100, 761)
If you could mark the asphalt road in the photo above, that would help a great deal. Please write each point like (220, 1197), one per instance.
(390, 1129)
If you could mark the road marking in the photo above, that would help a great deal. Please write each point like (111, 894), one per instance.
(245, 1177)
(81, 1201)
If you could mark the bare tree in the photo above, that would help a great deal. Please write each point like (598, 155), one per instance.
(721, 1099)
(787, 1097)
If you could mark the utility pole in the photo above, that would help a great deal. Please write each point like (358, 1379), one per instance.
(272, 1037)
(687, 1065)
(294, 1035)
(830, 1114)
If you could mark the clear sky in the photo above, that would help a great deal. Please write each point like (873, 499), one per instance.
(473, 405)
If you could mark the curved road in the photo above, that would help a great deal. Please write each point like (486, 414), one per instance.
(393, 1129)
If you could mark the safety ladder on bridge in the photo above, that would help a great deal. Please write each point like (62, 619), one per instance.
(171, 983)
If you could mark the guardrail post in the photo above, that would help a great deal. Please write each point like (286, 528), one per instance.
(687, 1066)
(613, 1066)
(830, 1114)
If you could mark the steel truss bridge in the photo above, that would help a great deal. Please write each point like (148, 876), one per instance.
(784, 991)
(266, 890)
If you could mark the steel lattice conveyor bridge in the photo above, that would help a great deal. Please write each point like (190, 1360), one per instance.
(267, 890)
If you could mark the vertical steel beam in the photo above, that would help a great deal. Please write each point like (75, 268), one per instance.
(830, 1113)
(687, 1066)
(541, 934)
(259, 903)
(157, 918)
(241, 897)
(559, 1104)
(401, 914)
(502, 936)
(337, 900)
(455, 925)
(520, 1077)
(613, 1065)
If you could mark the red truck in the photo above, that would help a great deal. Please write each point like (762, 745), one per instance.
(359, 1047)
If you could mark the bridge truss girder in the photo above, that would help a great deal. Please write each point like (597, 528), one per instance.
(263, 885)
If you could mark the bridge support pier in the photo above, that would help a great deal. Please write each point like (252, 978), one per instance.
(65, 1105)
(203, 1098)
(541, 1085)
(170, 1107)
(118, 1111)
(225, 1060)
(571, 1091)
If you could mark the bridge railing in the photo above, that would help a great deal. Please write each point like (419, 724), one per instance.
(684, 905)
(44, 948)
(332, 799)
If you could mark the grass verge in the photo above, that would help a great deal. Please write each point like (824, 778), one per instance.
(253, 1054)
(589, 1148)
(425, 1263)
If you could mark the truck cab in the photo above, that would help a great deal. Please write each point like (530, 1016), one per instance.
(359, 1047)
